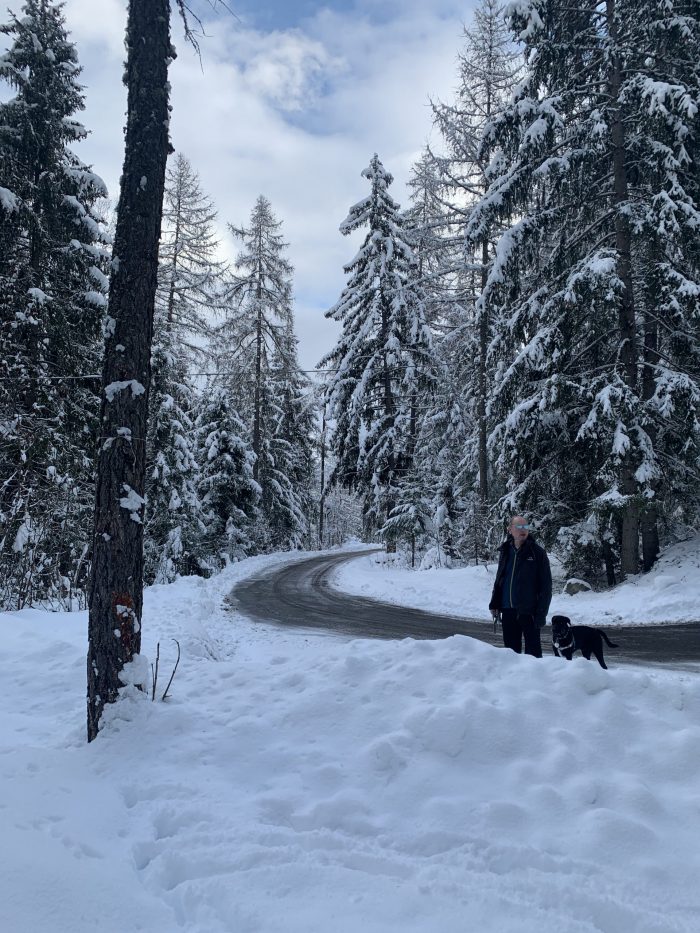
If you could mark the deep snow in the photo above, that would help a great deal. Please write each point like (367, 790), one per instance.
(301, 782)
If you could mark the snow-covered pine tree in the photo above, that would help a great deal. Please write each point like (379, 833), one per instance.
(592, 169)
(411, 517)
(667, 261)
(382, 363)
(53, 256)
(448, 428)
(447, 446)
(190, 287)
(173, 525)
(228, 492)
(258, 352)
(427, 224)
(190, 277)
(289, 451)
(489, 67)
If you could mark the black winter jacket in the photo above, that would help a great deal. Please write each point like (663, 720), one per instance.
(533, 579)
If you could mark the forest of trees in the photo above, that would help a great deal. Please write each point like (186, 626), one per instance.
(231, 420)
(552, 250)
(522, 336)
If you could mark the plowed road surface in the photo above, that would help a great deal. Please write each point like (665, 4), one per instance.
(299, 595)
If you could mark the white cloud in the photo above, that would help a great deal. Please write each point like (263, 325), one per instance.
(294, 114)
(285, 68)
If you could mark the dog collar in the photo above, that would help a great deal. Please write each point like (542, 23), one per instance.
(568, 646)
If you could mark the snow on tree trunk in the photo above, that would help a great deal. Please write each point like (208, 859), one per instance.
(116, 593)
(629, 545)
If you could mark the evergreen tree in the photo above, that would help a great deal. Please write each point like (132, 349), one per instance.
(596, 280)
(433, 236)
(190, 278)
(173, 524)
(228, 492)
(382, 362)
(52, 285)
(190, 285)
(448, 428)
(489, 67)
(289, 452)
(412, 514)
(258, 338)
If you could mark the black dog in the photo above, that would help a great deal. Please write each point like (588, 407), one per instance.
(567, 638)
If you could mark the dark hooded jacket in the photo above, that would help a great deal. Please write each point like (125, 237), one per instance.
(531, 579)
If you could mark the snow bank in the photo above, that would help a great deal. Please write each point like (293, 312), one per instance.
(298, 783)
(669, 593)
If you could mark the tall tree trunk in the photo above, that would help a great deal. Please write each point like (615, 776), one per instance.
(388, 411)
(322, 503)
(479, 531)
(650, 537)
(609, 564)
(176, 256)
(649, 522)
(629, 545)
(481, 401)
(116, 587)
(257, 403)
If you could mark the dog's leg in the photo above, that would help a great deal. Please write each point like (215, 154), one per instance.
(598, 652)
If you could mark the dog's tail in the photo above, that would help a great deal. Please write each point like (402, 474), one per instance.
(610, 643)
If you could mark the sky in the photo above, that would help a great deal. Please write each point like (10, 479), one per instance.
(290, 100)
(297, 781)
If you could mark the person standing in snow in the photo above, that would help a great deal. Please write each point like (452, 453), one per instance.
(523, 589)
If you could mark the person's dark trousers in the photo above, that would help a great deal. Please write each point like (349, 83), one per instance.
(519, 628)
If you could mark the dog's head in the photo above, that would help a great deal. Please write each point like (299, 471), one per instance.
(560, 628)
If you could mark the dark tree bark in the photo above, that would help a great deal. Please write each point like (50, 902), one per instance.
(649, 520)
(388, 412)
(257, 404)
(482, 390)
(322, 503)
(116, 589)
(629, 544)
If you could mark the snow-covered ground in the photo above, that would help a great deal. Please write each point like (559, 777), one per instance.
(669, 593)
(301, 783)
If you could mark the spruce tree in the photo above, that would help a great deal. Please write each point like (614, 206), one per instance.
(173, 524)
(53, 255)
(190, 286)
(489, 67)
(289, 451)
(596, 277)
(258, 351)
(227, 490)
(382, 363)
(190, 277)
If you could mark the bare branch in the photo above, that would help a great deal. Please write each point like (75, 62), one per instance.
(165, 692)
(194, 32)
(154, 673)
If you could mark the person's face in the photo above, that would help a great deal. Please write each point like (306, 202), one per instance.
(519, 529)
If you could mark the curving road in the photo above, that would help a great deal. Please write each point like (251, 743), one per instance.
(300, 595)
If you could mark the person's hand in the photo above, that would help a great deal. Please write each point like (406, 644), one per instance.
(495, 614)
